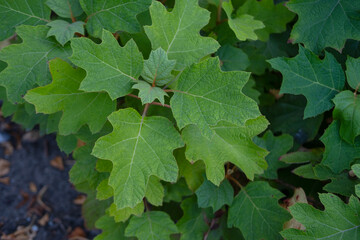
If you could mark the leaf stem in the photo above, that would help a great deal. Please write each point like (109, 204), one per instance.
(153, 103)
(146, 108)
(218, 18)
(235, 181)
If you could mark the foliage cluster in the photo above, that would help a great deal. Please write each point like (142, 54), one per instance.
(195, 119)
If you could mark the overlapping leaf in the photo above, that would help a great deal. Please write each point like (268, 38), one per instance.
(65, 8)
(64, 31)
(177, 32)
(90, 108)
(230, 143)
(338, 220)
(325, 23)
(148, 93)
(210, 195)
(318, 80)
(347, 110)
(352, 72)
(138, 148)
(113, 15)
(257, 213)
(109, 67)
(21, 12)
(205, 95)
(27, 62)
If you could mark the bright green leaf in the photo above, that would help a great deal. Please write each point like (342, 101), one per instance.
(210, 195)
(90, 108)
(65, 8)
(257, 213)
(230, 143)
(325, 23)
(148, 94)
(113, 15)
(109, 67)
(151, 225)
(318, 80)
(273, 16)
(243, 25)
(338, 220)
(158, 68)
(347, 110)
(177, 32)
(138, 147)
(154, 191)
(28, 61)
(64, 31)
(21, 12)
(205, 95)
(121, 215)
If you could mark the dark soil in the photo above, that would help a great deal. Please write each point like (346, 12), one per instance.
(22, 204)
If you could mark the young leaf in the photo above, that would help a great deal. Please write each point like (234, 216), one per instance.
(273, 16)
(27, 61)
(352, 72)
(318, 80)
(158, 68)
(113, 15)
(151, 225)
(210, 195)
(243, 25)
(90, 108)
(347, 110)
(65, 8)
(177, 32)
(327, 23)
(230, 143)
(192, 224)
(109, 67)
(64, 31)
(205, 95)
(338, 154)
(277, 146)
(121, 215)
(337, 221)
(257, 213)
(138, 147)
(21, 12)
(148, 94)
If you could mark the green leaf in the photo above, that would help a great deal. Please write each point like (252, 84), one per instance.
(243, 25)
(273, 16)
(356, 169)
(148, 94)
(192, 225)
(342, 184)
(176, 191)
(27, 61)
(21, 12)
(64, 31)
(67, 144)
(326, 23)
(210, 195)
(138, 147)
(230, 143)
(352, 72)
(177, 32)
(113, 15)
(158, 68)
(65, 8)
(104, 190)
(110, 229)
(347, 110)
(90, 108)
(105, 65)
(232, 58)
(338, 154)
(277, 146)
(121, 215)
(257, 213)
(151, 225)
(318, 80)
(93, 209)
(205, 95)
(338, 220)
(154, 191)
(192, 172)
(313, 156)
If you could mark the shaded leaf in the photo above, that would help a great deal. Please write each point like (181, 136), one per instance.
(64, 31)
(65, 8)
